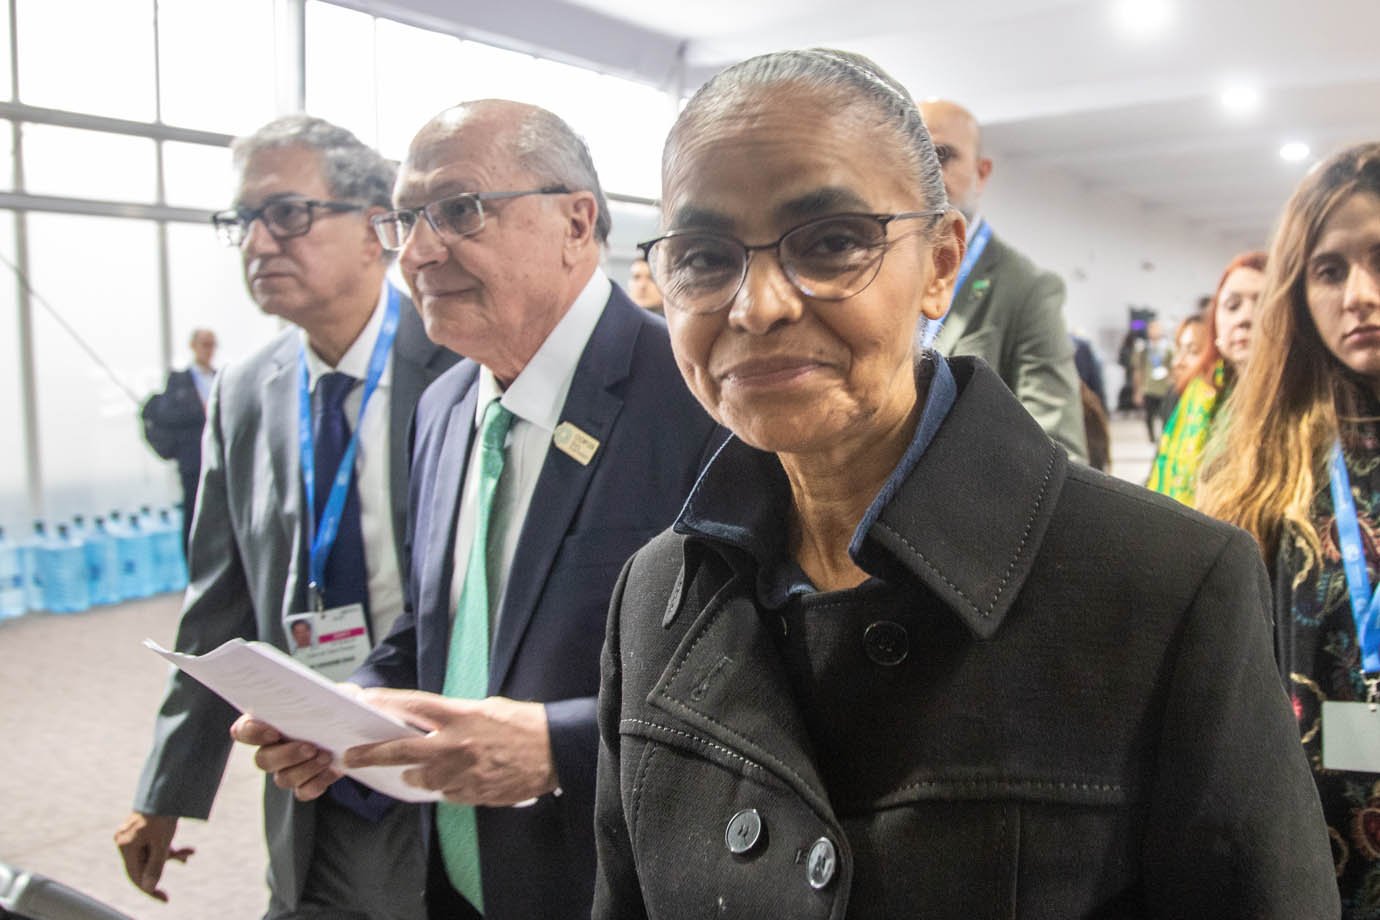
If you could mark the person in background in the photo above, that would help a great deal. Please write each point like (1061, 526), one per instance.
(1301, 472)
(1089, 368)
(348, 370)
(1188, 345)
(1210, 358)
(1151, 380)
(899, 656)
(1188, 348)
(562, 443)
(173, 419)
(1005, 310)
(642, 289)
(1098, 428)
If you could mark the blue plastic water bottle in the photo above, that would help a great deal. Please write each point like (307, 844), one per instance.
(148, 561)
(11, 578)
(102, 564)
(172, 563)
(34, 557)
(68, 590)
(129, 547)
(158, 549)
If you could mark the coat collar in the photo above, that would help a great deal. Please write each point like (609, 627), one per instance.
(964, 514)
(966, 522)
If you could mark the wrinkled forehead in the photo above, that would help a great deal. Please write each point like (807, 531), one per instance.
(455, 153)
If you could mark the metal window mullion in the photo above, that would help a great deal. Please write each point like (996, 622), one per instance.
(290, 25)
(161, 199)
(28, 378)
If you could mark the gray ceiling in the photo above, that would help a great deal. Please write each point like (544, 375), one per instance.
(1055, 82)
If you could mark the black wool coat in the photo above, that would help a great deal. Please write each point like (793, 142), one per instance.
(1088, 721)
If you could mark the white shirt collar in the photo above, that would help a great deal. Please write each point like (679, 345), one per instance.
(538, 394)
(355, 361)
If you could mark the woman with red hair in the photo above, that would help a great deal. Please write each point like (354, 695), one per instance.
(1209, 382)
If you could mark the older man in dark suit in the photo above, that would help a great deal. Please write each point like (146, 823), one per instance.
(539, 466)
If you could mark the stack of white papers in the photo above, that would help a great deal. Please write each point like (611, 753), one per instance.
(257, 679)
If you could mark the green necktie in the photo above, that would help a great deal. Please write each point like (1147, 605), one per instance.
(467, 667)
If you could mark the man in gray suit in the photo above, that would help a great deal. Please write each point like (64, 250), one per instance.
(1005, 310)
(261, 550)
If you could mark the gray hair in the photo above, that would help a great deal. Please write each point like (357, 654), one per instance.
(547, 147)
(840, 72)
(353, 171)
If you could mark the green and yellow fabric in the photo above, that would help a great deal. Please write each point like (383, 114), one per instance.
(1185, 438)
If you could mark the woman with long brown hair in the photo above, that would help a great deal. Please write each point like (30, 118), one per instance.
(1301, 471)
(1210, 379)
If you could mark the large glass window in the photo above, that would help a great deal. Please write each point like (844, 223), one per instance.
(197, 176)
(624, 123)
(218, 70)
(216, 63)
(88, 164)
(207, 291)
(14, 501)
(419, 74)
(101, 275)
(340, 69)
(100, 61)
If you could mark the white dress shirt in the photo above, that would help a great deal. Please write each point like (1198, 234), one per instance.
(536, 398)
(202, 377)
(371, 467)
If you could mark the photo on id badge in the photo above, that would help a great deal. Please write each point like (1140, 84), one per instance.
(333, 642)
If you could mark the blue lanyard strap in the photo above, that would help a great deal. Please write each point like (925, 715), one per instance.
(980, 240)
(321, 535)
(1365, 606)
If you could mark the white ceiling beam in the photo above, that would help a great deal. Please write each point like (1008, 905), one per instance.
(551, 28)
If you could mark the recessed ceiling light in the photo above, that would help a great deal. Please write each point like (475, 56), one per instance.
(1142, 18)
(1294, 152)
(1241, 99)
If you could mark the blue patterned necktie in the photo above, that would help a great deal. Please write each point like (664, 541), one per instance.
(467, 667)
(346, 578)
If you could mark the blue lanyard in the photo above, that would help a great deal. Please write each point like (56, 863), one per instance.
(980, 239)
(1365, 606)
(321, 536)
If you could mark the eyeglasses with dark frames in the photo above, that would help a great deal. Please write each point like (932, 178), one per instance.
(452, 217)
(284, 218)
(829, 258)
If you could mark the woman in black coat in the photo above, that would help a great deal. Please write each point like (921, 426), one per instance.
(899, 657)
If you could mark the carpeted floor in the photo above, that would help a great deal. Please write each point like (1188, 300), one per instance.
(78, 694)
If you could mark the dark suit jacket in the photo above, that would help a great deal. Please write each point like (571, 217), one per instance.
(180, 410)
(245, 570)
(1088, 722)
(583, 524)
(1011, 314)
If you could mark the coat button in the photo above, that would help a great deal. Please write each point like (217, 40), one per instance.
(821, 863)
(886, 643)
(743, 831)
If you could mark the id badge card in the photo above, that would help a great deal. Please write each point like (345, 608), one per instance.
(333, 642)
(1350, 737)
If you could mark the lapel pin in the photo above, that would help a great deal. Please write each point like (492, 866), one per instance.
(575, 443)
(980, 286)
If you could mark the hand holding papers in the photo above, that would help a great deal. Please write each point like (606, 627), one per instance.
(271, 687)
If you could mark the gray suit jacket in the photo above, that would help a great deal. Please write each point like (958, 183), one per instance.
(246, 568)
(1011, 314)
